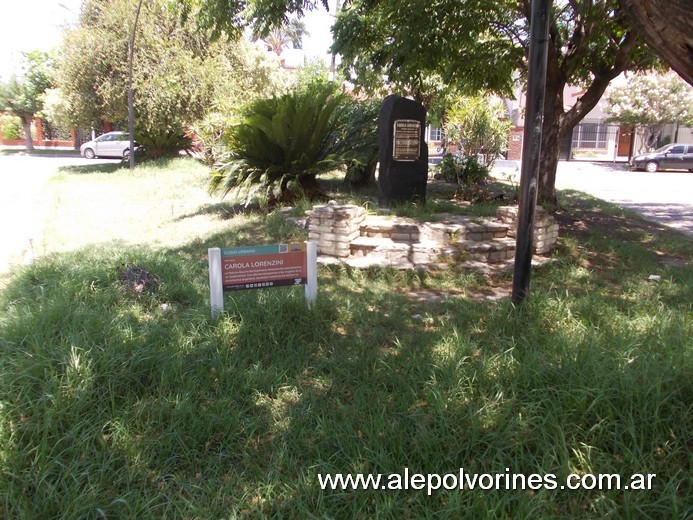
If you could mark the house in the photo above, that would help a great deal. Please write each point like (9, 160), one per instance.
(592, 139)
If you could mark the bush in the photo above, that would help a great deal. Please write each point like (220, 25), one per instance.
(468, 172)
(361, 118)
(479, 126)
(10, 127)
(283, 143)
(164, 143)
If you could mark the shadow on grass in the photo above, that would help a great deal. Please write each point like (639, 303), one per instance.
(144, 406)
(222, 210)
(87, 169)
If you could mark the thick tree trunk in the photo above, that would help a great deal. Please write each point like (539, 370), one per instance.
(26, 123)
(667, 27)
(550, 147)
(551, 127)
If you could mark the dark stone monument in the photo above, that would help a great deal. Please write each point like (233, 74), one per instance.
(403, 151)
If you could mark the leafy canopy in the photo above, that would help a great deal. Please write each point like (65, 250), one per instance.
(652, 99)
(23, 95)
(179, 75)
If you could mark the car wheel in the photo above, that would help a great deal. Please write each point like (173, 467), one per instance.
(89, 153)
(652, 167)
(126, 153)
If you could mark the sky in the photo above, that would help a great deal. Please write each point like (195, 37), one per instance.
(27, 25)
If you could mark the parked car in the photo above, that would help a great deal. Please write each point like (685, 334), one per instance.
(670, 157)
(111, 144)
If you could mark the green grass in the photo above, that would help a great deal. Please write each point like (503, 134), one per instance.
(40, 151)
(117, 406)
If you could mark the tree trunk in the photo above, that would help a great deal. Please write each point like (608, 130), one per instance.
(551, 128)
(666, 26)
(26, 123)
(550, 148)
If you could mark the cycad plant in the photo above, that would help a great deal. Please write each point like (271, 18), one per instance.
(283, 143)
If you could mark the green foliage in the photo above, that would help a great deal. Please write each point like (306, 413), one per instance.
(479, 126)
(283, 143)
(10, 127)
(229, 17)
(178, 74)
(314, 76)
(157, 144)
(361, 119)
(468, 172)
(648, 102)
(23, 94)
(421, 47)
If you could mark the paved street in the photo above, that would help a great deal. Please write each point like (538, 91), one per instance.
(23, 204)
(662, 197)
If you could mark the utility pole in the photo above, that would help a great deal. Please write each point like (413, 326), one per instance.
(531, 147)
(131, 108)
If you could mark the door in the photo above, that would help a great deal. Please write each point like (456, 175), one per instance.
(104, 145)
(673, 158)
(625, 141)
(688, 158)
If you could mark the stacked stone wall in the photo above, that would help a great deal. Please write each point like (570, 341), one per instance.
(335, 227)
(545, 227)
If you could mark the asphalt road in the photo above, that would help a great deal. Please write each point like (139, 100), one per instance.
(662, 197)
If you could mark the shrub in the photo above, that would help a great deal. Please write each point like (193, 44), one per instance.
(479, 126)
(164, 143)
(10, 127)
(361, 118)
(283, 143)
(468, 172)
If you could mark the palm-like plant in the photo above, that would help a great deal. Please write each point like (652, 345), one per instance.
(283, 143)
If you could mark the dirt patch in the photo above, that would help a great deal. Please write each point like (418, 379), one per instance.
(135, 280)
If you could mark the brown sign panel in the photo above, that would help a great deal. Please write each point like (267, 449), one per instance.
(263, 266)
(407, 140)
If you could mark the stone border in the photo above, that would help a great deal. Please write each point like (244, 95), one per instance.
(347, 233)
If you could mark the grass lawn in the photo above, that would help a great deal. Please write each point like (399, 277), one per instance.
(121, 406)
(40, 151)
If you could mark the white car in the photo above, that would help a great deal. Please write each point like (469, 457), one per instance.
(112, 144)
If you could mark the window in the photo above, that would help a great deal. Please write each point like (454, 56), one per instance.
(678, 149)
(592, 136)
(435, 134)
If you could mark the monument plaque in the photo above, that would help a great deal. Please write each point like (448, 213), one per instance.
(403, 152)
(406, 140)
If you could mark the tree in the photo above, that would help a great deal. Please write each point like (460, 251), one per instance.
(479, 126)
(279, 38)
(648, 102)
(23, 95)
(179, 75)
(480, 44)
(667, 27)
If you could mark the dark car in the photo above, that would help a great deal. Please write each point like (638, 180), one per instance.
(669, 157)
